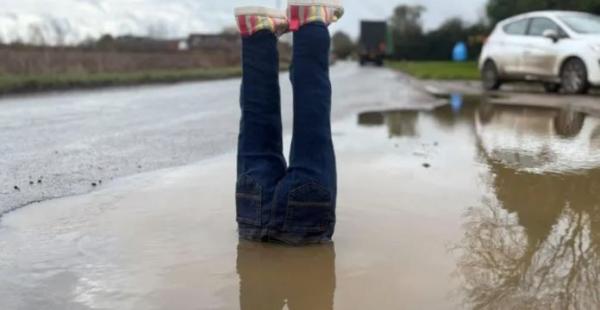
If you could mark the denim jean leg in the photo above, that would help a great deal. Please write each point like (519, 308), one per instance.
(260, 161)
(306, 198)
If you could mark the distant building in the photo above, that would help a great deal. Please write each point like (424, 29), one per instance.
(226, 41)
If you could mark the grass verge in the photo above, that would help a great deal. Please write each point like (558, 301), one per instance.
(33, 83)
(438, 70)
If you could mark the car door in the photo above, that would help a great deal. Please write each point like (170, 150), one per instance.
(512, 45)
(541, 54)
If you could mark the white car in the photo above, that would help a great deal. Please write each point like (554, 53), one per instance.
(558, 48)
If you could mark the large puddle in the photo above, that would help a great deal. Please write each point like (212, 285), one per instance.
(533, 239)
(468, 206)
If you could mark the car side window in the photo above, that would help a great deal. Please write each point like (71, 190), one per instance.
(541, 24)
(517, 28)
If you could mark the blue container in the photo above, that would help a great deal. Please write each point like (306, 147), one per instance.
(460, 52)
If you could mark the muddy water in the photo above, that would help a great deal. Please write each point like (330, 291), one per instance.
(466, 206)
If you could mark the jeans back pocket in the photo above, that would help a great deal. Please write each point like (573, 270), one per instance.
(248, 200)
(310, 209)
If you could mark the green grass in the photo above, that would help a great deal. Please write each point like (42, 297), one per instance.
(32, 83)
(438, 70)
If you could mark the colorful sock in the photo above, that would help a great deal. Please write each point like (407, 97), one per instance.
(301, 12)
(251, 20)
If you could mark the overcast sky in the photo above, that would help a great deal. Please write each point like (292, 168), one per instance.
(80, 19)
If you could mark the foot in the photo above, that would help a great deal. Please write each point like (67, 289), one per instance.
(253, 19)
(301, 12)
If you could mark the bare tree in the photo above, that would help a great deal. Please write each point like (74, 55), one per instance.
(36, 35)
(59, 31)
(524, 251)
(158, 30)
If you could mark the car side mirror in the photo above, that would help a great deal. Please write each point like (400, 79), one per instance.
(551, 34)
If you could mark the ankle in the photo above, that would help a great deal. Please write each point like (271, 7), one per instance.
(302, 12)
(251, 20)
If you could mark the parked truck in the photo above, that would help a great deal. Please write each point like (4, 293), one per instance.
(374, 42)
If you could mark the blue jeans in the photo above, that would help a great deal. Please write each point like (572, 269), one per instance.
(292, 204)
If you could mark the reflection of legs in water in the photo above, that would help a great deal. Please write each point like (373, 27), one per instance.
(271, 276)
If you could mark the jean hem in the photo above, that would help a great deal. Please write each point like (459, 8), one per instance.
(252, 233)
(258, 234)
(300, 238)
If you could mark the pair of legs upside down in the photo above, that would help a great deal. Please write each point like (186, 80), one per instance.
(292, 203)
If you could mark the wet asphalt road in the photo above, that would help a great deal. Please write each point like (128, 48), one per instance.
(55, 145)
(502, 184)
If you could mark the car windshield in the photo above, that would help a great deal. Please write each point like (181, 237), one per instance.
(583, 23)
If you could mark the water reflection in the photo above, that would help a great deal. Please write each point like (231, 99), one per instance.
(562, 123)
(541, 140)
(272, 277)
(535, 244)
(456, 102)
(405, 123)
(534, 241)
(371, 118)
(399, 123)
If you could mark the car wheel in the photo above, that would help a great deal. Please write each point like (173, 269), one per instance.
(574, 77)
(490, 77)
(568, 123)
(551, 87)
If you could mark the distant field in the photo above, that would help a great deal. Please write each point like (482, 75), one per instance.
(33, 83)
(30, 69)
(438, 70)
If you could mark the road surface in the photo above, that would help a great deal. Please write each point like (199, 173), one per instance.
(426, 201)
(61, 144)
